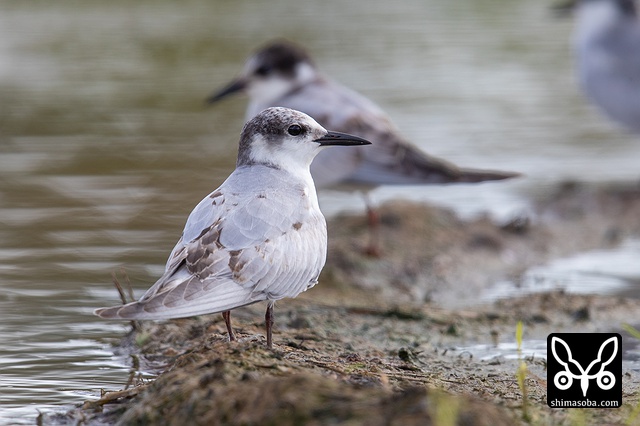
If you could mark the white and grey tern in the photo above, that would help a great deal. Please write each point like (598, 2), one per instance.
(259, 236)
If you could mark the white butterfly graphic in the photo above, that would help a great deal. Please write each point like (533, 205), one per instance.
(564, 379)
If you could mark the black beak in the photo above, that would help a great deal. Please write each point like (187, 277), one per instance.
(233, 87)
(336, 138)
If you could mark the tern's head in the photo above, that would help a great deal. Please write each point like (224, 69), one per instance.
(273, 71)
(287, 139)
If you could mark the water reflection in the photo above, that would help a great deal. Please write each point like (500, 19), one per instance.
(106, 145)
(613, 271)
(529, 350)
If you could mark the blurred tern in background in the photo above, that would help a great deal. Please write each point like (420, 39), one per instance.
(607, 48)
(283, 74)
(259, 236)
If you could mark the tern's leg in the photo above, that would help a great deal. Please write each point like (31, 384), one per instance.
(268, 320)
(373, 249)
(227, 320)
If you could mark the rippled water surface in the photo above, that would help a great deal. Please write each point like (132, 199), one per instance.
(106, 144)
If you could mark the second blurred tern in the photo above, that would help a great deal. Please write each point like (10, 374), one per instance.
(607, 48)
(283, 74)
(259, 236)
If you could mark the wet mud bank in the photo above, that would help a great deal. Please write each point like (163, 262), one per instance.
(379, 341)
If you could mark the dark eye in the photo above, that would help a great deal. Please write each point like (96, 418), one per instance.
(263, 70)
(294, 130)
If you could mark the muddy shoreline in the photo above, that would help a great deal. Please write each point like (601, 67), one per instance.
(375, 342)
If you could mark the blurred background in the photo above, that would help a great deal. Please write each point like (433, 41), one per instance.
(106, 143)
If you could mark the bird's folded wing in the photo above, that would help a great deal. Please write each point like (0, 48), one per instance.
(230, 252)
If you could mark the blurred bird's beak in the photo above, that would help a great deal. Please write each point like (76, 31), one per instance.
(336, 138)
(235, 86)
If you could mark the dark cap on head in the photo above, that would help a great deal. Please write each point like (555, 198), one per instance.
(281, 56)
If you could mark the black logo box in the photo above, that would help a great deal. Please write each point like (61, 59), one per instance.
(584, 370)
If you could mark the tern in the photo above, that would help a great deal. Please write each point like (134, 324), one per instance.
(607, 48)
(283, 74)
(259, 236)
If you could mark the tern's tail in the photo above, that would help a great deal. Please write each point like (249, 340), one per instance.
(396, 162)
(422, 168)
(439, 171)
(479, 175)
(132, 310)
(177, 303)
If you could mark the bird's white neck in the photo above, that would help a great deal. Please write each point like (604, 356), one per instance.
(292, 159)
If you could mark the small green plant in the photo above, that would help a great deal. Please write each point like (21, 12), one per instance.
(521, 373)
(578, 417)
(445, 408)
(634, 332)
(631, 419)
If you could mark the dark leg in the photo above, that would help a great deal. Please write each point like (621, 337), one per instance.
(268, 320)
(227, 320)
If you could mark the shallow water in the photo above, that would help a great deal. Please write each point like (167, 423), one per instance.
(612, 271)
(106, 144)
(529, 350)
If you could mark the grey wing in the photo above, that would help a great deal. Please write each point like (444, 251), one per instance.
(197, 277)
(231, 254)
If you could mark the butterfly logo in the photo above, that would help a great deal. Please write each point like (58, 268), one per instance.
(564, 379)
